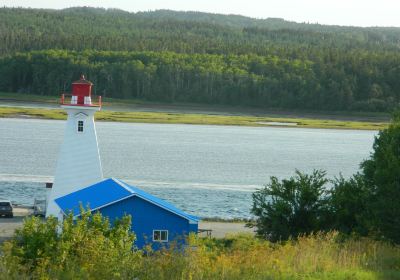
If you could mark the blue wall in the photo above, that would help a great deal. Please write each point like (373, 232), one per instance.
(147, 217)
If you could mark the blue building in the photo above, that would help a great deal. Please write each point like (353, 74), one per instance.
(154, 220)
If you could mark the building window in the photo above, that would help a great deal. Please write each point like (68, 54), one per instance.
(160, 235)
(80, 126)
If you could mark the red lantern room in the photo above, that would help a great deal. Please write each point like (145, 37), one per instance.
(82, 90)
(81, 94)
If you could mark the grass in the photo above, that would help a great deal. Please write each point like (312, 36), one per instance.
(89, 247)
(370, 121)
(199, 119)
(319, 256)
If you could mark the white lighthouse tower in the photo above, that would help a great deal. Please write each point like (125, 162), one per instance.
(78, 164)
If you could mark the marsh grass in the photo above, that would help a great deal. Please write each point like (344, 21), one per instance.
(198, 119)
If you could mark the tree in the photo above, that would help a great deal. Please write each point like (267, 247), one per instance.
(349, 205)
(291, 207)
(382, 175)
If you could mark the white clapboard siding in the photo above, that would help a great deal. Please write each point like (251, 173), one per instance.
(78, 163)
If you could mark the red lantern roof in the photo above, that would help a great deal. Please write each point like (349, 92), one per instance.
(82, 80)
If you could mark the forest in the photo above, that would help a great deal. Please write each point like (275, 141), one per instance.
(168, 56)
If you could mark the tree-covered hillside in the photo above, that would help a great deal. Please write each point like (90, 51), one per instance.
(189, 32)
(199, 57)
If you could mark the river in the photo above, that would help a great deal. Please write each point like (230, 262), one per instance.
(210, 171)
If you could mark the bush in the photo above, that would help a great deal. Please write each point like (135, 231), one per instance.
(291, 207)
(349, 205)
(86, 247)
(90, 249)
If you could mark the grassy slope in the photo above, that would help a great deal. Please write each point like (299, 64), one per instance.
(312, 121)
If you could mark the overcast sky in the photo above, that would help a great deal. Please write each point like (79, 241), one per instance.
(339, 12)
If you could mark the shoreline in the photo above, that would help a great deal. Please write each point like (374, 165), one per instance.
(194, 119)
(132, 105)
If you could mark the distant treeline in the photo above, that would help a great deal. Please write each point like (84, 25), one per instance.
(198, 57)
(348, 81)
(185, 32)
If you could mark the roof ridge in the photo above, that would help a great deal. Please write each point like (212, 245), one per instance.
(122, 184)
(135, 191)
(154, 199)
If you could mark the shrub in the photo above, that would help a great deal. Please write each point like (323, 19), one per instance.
(86, 247)
(290, 207)
(316, 256)
(349, 202)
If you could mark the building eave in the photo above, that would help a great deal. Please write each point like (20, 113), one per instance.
(99, 207)
(122, 184)
(132, 194)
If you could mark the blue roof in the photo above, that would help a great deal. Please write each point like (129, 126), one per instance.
(110, 191)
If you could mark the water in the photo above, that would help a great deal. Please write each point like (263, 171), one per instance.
(210, 171)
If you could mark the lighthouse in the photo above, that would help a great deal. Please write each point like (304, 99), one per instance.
(78, 163)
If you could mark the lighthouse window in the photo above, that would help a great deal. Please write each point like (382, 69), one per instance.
(80, 126)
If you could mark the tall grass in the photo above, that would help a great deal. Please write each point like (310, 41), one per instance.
(318, 256)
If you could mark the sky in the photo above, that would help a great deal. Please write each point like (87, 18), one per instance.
(336, 12)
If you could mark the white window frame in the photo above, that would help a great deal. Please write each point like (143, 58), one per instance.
(160, 230)
(77, 126)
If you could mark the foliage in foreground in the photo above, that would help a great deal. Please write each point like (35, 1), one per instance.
(306, 203)
(290, 207)
(381, 173)
(89, 246)
(90, 249)
(367, 204)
